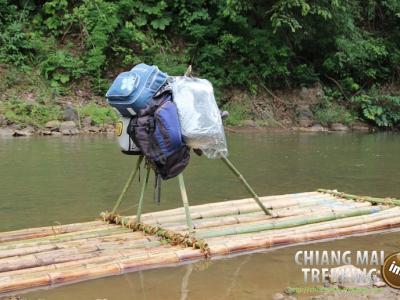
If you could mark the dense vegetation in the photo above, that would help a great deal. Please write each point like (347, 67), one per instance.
(351, 47)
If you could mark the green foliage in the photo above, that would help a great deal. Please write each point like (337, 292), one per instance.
(332, 113)
(329, 110)
(60, 68)
(234, 43)
(238, 112)
(383, 110)
(100, 115)
(18, 111)
(280, 44)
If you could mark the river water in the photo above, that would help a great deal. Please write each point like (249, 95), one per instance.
(46, 181)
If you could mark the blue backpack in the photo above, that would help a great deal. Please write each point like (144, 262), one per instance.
(156, 131)
(133, 90)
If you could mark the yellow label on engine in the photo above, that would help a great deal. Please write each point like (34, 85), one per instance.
(118, 128)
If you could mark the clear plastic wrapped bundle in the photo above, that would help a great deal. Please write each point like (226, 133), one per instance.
(199, 115)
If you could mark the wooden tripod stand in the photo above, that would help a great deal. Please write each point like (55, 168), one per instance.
(182, 188)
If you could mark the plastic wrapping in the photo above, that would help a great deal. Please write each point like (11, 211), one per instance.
(200, 118)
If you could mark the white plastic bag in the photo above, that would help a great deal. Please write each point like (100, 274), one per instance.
(200, 118)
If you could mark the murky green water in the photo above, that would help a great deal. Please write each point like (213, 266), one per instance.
(49, 180)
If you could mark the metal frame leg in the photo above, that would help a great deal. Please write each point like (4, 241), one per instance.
(185, 203)
(246, 184)
(127, 184)
(144, 186)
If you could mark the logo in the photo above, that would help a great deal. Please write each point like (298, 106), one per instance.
(391, 270)
(118, 128)
(128, 83)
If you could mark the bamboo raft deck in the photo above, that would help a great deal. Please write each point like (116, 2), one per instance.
(49, 256)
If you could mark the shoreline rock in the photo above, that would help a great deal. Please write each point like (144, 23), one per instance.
(68, 128)
(339, 127)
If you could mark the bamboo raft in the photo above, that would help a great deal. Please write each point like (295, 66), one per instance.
(49, 256)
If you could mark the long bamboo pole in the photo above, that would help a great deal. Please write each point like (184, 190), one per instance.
(209, 223)
(293, 231)
(48, 230)
(231, 210)
(127, 184)
(269, 242)
(229, 164)
(62, 238)
(287, 223)
(374, 200)
(267, 200)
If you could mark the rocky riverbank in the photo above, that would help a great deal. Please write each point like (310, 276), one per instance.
(68, 128)
(84, 113)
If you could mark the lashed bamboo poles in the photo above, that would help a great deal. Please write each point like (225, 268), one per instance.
(385, 201)
(288, 223)
(326, 226)
(175, 238)
(268, 242)
(207, 224)
(62, 238)
(113, 250)
(49, 230)
(102, 243)
(242, 207)
(203, 221)
(330, 225)
(123, 264)
(267, 200)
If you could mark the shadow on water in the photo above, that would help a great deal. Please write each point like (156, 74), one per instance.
(43, 181)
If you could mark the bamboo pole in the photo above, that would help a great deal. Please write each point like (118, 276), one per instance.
(329, 225)
(207, 223)
(49, 230)
(127, 184)
(229, 164)
(185, 203)
(249, 244)
(287, 223)
(373, 200)
(144, 186)
(62, 238)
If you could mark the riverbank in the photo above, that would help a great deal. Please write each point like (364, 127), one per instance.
(69, 128)
(28, 107)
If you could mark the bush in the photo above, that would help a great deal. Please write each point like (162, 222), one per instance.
(332, 113)
(238, 112)
(100, 115)
(17, 111)
(382, 110)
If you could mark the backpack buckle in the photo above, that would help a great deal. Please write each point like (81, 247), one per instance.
(150, 125)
